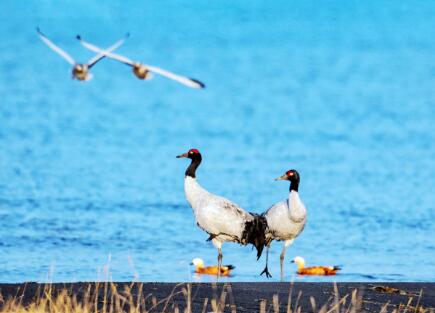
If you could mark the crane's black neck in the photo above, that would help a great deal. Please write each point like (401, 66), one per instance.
(294, 185)
(196, 160)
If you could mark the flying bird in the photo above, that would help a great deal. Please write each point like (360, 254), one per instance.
(200, 268)
(80, 71)
(285, 219)
(314, 270)
(144, 71)
(223, 220)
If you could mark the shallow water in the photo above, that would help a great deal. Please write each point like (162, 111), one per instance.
(343, 92)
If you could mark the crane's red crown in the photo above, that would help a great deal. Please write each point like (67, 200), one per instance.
(193, 151)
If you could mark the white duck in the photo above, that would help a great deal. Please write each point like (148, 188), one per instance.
(285, 219)
(220, 218)
(80, 71)
(143, 71)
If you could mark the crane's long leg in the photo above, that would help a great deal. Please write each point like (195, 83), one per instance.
(219, 262)
(281, 257)
(266, 270)
(218, 246)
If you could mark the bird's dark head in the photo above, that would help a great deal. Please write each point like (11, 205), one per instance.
(291, 175)
(196, 158)
(192, 154)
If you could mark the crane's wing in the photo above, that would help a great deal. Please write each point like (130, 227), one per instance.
(221, 217)
(55, 48)
(103, 53)
(94, 48)
(189, 82)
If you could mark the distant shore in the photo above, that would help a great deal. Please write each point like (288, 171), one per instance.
(244, 297)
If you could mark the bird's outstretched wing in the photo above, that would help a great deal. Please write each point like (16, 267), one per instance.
(103, 53)
(114, 56)
(189, 82)
(55, 48)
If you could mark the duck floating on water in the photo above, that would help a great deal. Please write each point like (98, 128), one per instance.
(80, 71)
(314, 270)
(221, 219)
(200, 268)
(144, 71)
(285, 219)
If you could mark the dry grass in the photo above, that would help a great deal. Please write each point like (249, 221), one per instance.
(107, 298)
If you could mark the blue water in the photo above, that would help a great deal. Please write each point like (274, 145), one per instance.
(343, 91)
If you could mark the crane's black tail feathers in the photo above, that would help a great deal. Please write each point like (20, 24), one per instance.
(230, 267)
(255, 233)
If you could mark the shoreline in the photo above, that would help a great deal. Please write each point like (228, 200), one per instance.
(244, 297)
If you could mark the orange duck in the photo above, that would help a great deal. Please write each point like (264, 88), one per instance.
(314, 270)
(211, 270)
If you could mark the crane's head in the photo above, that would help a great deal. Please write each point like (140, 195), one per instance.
(291, 175)
(191, 154)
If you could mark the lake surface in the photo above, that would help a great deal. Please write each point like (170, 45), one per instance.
(344, 92)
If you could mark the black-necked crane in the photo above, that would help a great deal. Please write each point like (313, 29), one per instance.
(285, 219)
(223, 220)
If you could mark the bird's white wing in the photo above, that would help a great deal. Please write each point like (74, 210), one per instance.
(222, 217)
(55, 48)
(96, 49)
(279, 206)
(277, 217)
(282, 221)
(189, 82)
(120, 58)
(103, 53)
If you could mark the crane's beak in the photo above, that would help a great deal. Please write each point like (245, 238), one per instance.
(283, 177)
(191, 263)
(184, 155)
(292, 261)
